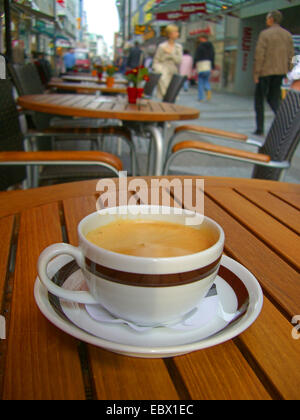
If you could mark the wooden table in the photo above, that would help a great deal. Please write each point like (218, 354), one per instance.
(89, 87)
(89, 78)
(39, 361)
(146, 112)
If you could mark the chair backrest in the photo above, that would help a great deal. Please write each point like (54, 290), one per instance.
(26, 79)
(11, 137)
(152, 83)
(283, 137)
(174, 88)
(44, 69)
(27, 82)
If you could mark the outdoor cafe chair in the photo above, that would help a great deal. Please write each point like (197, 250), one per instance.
(15, 157)
(174, 88)
(27, 82)
(273, 157)
(151, 84)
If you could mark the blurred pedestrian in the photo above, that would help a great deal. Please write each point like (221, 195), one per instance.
(135, 56)
(69, 60)
(273, 60)
(204, 62)
(167, 60)
(294, 75)
(186, 68)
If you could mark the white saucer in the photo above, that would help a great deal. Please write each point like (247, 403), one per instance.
(237, 289)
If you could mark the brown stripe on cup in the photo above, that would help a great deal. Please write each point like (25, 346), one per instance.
(150, 280)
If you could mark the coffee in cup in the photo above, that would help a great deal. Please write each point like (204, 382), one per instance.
(151, 238)
(148, 279)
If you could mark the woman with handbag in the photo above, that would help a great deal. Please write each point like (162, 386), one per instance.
(167, 60)
(205, 63)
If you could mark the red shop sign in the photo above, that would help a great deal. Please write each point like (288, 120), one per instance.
(176, 15)
(192, 8)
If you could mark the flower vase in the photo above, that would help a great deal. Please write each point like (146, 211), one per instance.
(132, 93)
(110, 81)
(99, 75)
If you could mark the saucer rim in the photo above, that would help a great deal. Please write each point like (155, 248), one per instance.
(229, 332)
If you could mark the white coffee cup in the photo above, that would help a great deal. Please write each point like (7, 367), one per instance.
(144, 290)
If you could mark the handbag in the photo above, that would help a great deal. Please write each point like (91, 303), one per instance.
(203, 65)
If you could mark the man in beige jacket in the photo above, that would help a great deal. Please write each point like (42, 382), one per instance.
(273, 60)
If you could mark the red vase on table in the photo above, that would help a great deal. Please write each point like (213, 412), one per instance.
(132, 93)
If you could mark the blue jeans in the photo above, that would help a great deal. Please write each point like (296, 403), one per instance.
(186, 85)
(203, 84)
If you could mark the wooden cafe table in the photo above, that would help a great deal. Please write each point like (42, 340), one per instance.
(88, 87)
(89, 78)
(146, 112)
(39, 360)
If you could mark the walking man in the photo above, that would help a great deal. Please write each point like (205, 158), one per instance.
(204, 63)
(135, 56)
(273, 60)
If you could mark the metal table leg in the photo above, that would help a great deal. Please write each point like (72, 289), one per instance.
(157, 148)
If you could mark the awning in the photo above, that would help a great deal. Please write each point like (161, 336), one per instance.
(31, 12)
(210, 6)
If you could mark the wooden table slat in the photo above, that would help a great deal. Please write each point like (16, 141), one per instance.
(220, 373)
(90, 87)
(277, 208)
(291, 198)
(264, 341)
(41, 361)
(120, 377)
(279, 237)
(277, 277)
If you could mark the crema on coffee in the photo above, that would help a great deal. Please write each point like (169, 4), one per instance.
(149, 238)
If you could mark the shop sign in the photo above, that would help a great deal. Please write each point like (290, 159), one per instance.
(246, 46)
(149, 33)
(174, 16)
(192, 8)
(140, 29)
(206, 30)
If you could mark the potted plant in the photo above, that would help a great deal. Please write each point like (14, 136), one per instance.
(99, 71)
(110, 71)
(137, 78)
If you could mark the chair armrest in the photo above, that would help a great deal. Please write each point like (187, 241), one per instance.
(211, 132)
(221, 150)
(61, 156)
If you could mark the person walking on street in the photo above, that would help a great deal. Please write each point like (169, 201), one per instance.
(186, 69)
(273, 60)
(69, 60)
(204, 62)
(135, 57)
(167, 60)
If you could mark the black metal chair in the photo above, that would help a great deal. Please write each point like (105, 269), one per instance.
(174, 88)
(273, 157)
(151, 84)
(14, 154)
